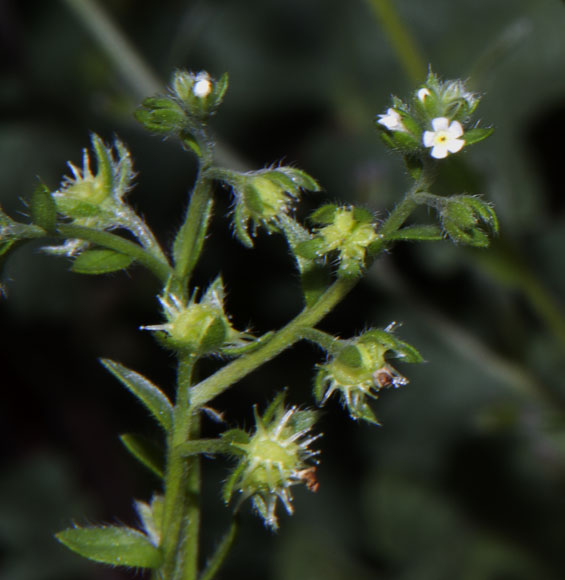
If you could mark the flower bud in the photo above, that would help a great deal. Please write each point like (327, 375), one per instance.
(275, 457)
(347, 231)
(199, 94)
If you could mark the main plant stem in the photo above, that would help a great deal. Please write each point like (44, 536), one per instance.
(182, 486)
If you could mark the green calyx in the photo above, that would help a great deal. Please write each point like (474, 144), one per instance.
(263, 198)
(202, 327)
(360, 369)
(97, 195)
(275, 457)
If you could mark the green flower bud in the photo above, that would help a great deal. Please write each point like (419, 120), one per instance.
(198, 327)
(449, 99)
(360, 370)
(349, 232)
(199, 94)
(275, 457)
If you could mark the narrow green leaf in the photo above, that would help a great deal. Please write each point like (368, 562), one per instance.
(324, 215)
(220, 88)
(365, 413)
(191, 235)
(473, 136)
(404, 350)
(100, 261)
(208, 446)
(485, 211)
(146, 451)
(43, 208)
(149, 394)
(240, 225)
(319, 389)
(309, 249)
(425, 233)
(229, 485)
(116, 545)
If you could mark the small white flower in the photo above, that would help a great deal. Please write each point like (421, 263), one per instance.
(202, 85)
(423, 93)
(444, 139)
(392, 121)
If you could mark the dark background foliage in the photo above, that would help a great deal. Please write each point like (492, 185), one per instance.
(466, 478)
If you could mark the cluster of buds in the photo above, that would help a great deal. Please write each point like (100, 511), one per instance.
(274, 458)
(263, 197)
(191, 99)
(346, 232)
(200, 327)
(359, 369)
(436, 122)
(95, 198)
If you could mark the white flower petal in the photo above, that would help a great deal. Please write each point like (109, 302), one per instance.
(392, 120)
(428, 138)
(439, 151)
(455, 129)
(440, 124)
(455, 145)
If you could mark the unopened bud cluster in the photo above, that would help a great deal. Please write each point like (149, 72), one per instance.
(436, 122)
(359, 370)
(348, 233)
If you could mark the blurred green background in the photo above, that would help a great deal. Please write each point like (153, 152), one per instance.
(466, 479)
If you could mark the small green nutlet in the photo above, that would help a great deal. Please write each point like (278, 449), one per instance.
(276, 457)
(198, 327)
(360, 370)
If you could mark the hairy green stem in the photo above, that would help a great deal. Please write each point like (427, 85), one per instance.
(326, 341)
(190, 542)
(284, 338)
(177, 474)
(160, 268)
